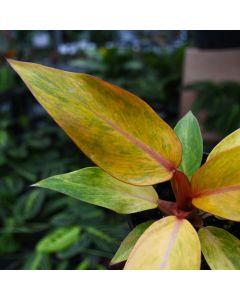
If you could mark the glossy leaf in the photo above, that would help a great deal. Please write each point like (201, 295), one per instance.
(189, 133)
(59, 240)
(114, 128)
(229, 142)
(216, 185)
(169, 243)
(220, 248)
(129, 242)
(94, 186)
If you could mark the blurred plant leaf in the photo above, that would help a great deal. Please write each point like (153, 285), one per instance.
(37, 261)
(29, 205)
(8, 244)
(83, 265)
(82, 243)
(58, 240)
(3, 138)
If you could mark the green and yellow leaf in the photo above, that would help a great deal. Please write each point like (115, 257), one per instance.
(216, 185)
(229, 142)
(220, 248)
(168, 244)
(189, 133)
(114, 128)
(94, 186)
(129, 242)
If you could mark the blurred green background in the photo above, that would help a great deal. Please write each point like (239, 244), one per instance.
(76, 235)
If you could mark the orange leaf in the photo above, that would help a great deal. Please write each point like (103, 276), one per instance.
(115, 128)
(216, 185)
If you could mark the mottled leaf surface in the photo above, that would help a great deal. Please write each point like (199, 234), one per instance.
(229, 142)
(95, 186)
(216, 185)
(189, 133)
(114, 128)
(168, 244)
(129, 242)
(220, 248)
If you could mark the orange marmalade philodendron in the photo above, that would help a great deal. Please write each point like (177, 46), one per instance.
(135, 149)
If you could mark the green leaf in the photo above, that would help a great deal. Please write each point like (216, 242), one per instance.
(76, 249)
(29, 205)
(8, 244)
(129, 242)
(189, 133)
(83, 265)
(220, 248)
(58, 240)
(94, 186)
(37, 261)
(3, 138)
(99, 234)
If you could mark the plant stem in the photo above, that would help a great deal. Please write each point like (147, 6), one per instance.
(182, 190)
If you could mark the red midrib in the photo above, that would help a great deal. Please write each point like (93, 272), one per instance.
(216, 191)
(156, 156)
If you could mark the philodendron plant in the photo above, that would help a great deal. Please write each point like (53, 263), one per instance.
(135, 149)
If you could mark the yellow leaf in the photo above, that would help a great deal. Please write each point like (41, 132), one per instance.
(114, 128)
(216, 185)
(168, 244)
(229, 142)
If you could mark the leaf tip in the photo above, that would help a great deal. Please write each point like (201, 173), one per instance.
(12, 62)
(36, 184)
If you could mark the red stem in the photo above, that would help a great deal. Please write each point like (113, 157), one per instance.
(182, 191)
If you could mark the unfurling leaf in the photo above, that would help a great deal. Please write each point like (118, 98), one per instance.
(216, 186)
(189, 133)
(220, 248)
(114, 128)
(129, 242)
(169, 243)
(94, 186)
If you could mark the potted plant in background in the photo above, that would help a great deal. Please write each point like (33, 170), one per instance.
(135, 149)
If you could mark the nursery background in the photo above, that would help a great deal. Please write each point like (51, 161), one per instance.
(174, 71)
